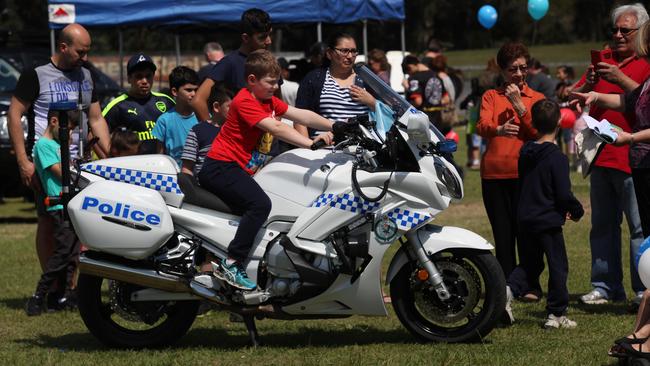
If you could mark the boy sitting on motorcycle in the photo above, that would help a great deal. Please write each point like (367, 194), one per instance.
(240, 149)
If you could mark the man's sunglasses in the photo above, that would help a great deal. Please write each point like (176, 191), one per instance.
(624, 31)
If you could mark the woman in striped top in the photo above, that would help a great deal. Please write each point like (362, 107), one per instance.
(335, 91)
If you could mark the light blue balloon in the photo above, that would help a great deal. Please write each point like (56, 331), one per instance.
(537, 8)
(487, 16)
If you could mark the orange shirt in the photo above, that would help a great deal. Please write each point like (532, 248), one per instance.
(502, 153)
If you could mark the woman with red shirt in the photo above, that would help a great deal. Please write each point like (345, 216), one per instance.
(505, 122)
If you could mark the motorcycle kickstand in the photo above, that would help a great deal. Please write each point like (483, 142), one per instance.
(249, 320)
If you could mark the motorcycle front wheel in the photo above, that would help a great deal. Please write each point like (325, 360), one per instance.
(109, 314)
(477, 287)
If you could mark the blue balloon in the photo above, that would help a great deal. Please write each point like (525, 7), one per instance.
(487, 16)
(537, 8)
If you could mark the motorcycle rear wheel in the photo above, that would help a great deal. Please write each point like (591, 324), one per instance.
(477, 287)
(105, 323)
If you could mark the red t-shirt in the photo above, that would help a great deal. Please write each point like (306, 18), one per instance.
(240, 140)
(617, 157)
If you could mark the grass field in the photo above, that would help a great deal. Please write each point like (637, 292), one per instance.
(62, 339)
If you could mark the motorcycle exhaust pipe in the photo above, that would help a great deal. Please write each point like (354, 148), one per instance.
(136, 276)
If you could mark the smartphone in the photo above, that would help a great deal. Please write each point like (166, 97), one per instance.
(606, 56)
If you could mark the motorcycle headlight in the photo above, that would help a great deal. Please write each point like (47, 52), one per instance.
(450, 186)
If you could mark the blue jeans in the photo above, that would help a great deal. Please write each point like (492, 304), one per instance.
(612, 194)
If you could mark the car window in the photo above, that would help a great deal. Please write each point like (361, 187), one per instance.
(8, 76)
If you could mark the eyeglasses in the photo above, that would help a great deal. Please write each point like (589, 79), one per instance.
(522, 68)
(347, 51)
(624, 31)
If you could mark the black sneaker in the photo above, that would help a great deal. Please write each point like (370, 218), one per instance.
(35, 306)
(53, 302)
(68, 301)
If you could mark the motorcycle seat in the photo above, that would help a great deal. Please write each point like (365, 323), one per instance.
(195, 195)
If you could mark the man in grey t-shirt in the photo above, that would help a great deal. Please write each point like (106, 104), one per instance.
(63, 79)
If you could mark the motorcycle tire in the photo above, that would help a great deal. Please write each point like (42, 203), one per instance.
(98, 318)
(477, 286)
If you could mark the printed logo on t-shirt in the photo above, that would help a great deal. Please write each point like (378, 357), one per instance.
(257, 161)
(147, 135)
(264, 145)
(161, 106)
(414, 85)
(64, 89)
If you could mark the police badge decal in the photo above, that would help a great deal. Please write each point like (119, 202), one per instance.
(385, 230)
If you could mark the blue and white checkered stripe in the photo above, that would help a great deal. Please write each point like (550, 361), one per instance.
(345, 202)
(407, 219)
(158, 182)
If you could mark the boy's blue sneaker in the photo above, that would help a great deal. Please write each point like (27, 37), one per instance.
(233, 272)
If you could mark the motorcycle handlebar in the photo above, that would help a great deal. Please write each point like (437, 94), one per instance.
(318, 144)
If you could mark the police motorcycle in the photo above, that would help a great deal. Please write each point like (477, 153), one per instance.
(335, 213)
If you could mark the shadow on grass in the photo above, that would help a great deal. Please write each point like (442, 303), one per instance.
(220, 339)
(18, 220)
(302, 337)
(15, 303)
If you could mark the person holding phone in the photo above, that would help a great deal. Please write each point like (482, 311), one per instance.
(612, 188)
(505, 122)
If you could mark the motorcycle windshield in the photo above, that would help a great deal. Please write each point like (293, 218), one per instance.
(390, 97)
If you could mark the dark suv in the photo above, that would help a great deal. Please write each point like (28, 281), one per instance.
(12, 63)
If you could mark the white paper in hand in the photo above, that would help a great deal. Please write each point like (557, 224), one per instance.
(603, 129)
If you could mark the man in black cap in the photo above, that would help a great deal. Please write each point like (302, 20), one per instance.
(139, 108)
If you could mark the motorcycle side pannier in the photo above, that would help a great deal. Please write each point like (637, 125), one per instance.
(121, 219)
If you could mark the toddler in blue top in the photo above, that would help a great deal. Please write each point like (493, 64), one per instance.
(62, 263)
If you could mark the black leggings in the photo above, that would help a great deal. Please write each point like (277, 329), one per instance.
(641, 179)
(245, 197)
(500, 197)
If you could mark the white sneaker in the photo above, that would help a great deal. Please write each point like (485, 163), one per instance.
(556, 322)
(594, 297)
(508, 317)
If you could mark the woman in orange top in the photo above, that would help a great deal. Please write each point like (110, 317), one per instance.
(505, 121)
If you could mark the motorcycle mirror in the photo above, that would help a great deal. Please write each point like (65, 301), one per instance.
(418, 128)
(446, 146)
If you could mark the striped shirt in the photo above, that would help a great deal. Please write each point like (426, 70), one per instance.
(336, 103)
(198, 143)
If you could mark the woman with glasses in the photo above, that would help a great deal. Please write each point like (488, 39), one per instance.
(505, 122)
(334, 91)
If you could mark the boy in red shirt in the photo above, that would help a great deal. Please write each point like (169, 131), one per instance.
(240, 149)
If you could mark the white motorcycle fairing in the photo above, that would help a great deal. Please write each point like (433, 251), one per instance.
(121, 219)
(435, 239)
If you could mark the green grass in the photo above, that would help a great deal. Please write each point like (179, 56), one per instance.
(61, 338)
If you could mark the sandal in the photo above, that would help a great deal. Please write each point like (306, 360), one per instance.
(617, 351)
(630, 351)
(633, 340)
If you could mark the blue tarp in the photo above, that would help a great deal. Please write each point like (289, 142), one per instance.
(104, 13)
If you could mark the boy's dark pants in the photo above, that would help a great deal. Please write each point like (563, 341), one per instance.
(62, 263)
(243, 195)
(535, 245)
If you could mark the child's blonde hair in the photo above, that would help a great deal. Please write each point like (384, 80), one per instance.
(261, 63)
